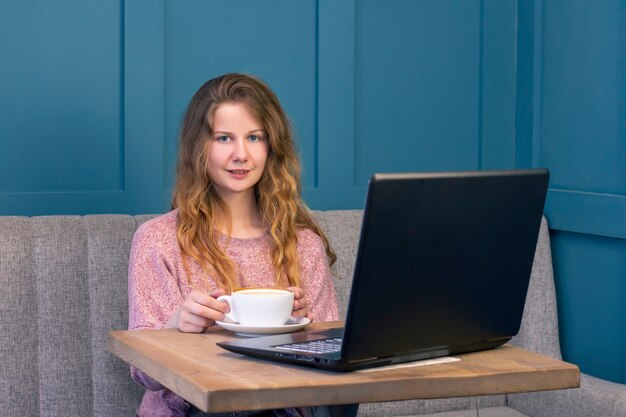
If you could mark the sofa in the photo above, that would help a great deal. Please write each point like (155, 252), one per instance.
(64, 287)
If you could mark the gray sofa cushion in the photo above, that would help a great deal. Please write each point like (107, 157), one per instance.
(65, 384)
(342, 228)
(483, 412)
(595, 397)
(539, 331)
(454, 406)
(19, 375)
(67, 280)
(108, 247)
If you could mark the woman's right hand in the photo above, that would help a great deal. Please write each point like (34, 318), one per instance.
(198, 312)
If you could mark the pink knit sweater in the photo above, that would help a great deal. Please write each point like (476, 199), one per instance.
(158, 284)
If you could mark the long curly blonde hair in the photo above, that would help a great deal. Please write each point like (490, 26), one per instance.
(278, 192)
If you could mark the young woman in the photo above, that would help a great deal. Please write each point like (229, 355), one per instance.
(238, 221)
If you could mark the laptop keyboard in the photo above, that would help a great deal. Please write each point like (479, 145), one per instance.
(314, 346)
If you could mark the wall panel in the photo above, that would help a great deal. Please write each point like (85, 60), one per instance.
(424, 86)
(497, 78)
(581, 137)
(590, 271)
(417, 86)
(144, 105)
(335, 109)
(583, 91)
(61, 97)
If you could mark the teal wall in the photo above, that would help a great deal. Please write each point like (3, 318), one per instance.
(91, 95)
(580, 133)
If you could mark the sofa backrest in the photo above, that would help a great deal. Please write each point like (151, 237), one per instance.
(63, 285)
(539, 331)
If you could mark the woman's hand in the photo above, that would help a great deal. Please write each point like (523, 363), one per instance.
(198, 312)
(300, 306)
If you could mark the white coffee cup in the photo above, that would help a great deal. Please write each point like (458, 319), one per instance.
(259, 306)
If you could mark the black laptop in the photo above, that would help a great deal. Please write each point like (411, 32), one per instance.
(442, 268)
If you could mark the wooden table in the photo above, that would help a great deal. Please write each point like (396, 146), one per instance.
(215, 380)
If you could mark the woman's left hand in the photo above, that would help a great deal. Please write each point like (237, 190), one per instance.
(300, 306)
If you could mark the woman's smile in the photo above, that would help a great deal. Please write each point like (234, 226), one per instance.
(238, 173)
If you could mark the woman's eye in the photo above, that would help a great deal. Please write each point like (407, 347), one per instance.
(223, 138)
(254, 138)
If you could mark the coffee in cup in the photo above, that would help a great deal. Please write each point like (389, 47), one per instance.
(259, 306)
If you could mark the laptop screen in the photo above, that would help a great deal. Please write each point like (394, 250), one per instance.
(444, 259)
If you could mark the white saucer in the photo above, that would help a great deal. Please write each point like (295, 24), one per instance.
(254, 331)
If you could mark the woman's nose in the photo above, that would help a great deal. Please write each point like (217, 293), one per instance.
(241, 151)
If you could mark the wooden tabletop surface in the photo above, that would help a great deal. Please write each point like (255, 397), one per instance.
(215, 380)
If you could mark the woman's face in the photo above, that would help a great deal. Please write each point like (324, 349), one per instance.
(237, 151)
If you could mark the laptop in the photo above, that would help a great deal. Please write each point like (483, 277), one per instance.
(442, 268)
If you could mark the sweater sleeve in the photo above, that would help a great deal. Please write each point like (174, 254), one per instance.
(316, 277)
(153, 291)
